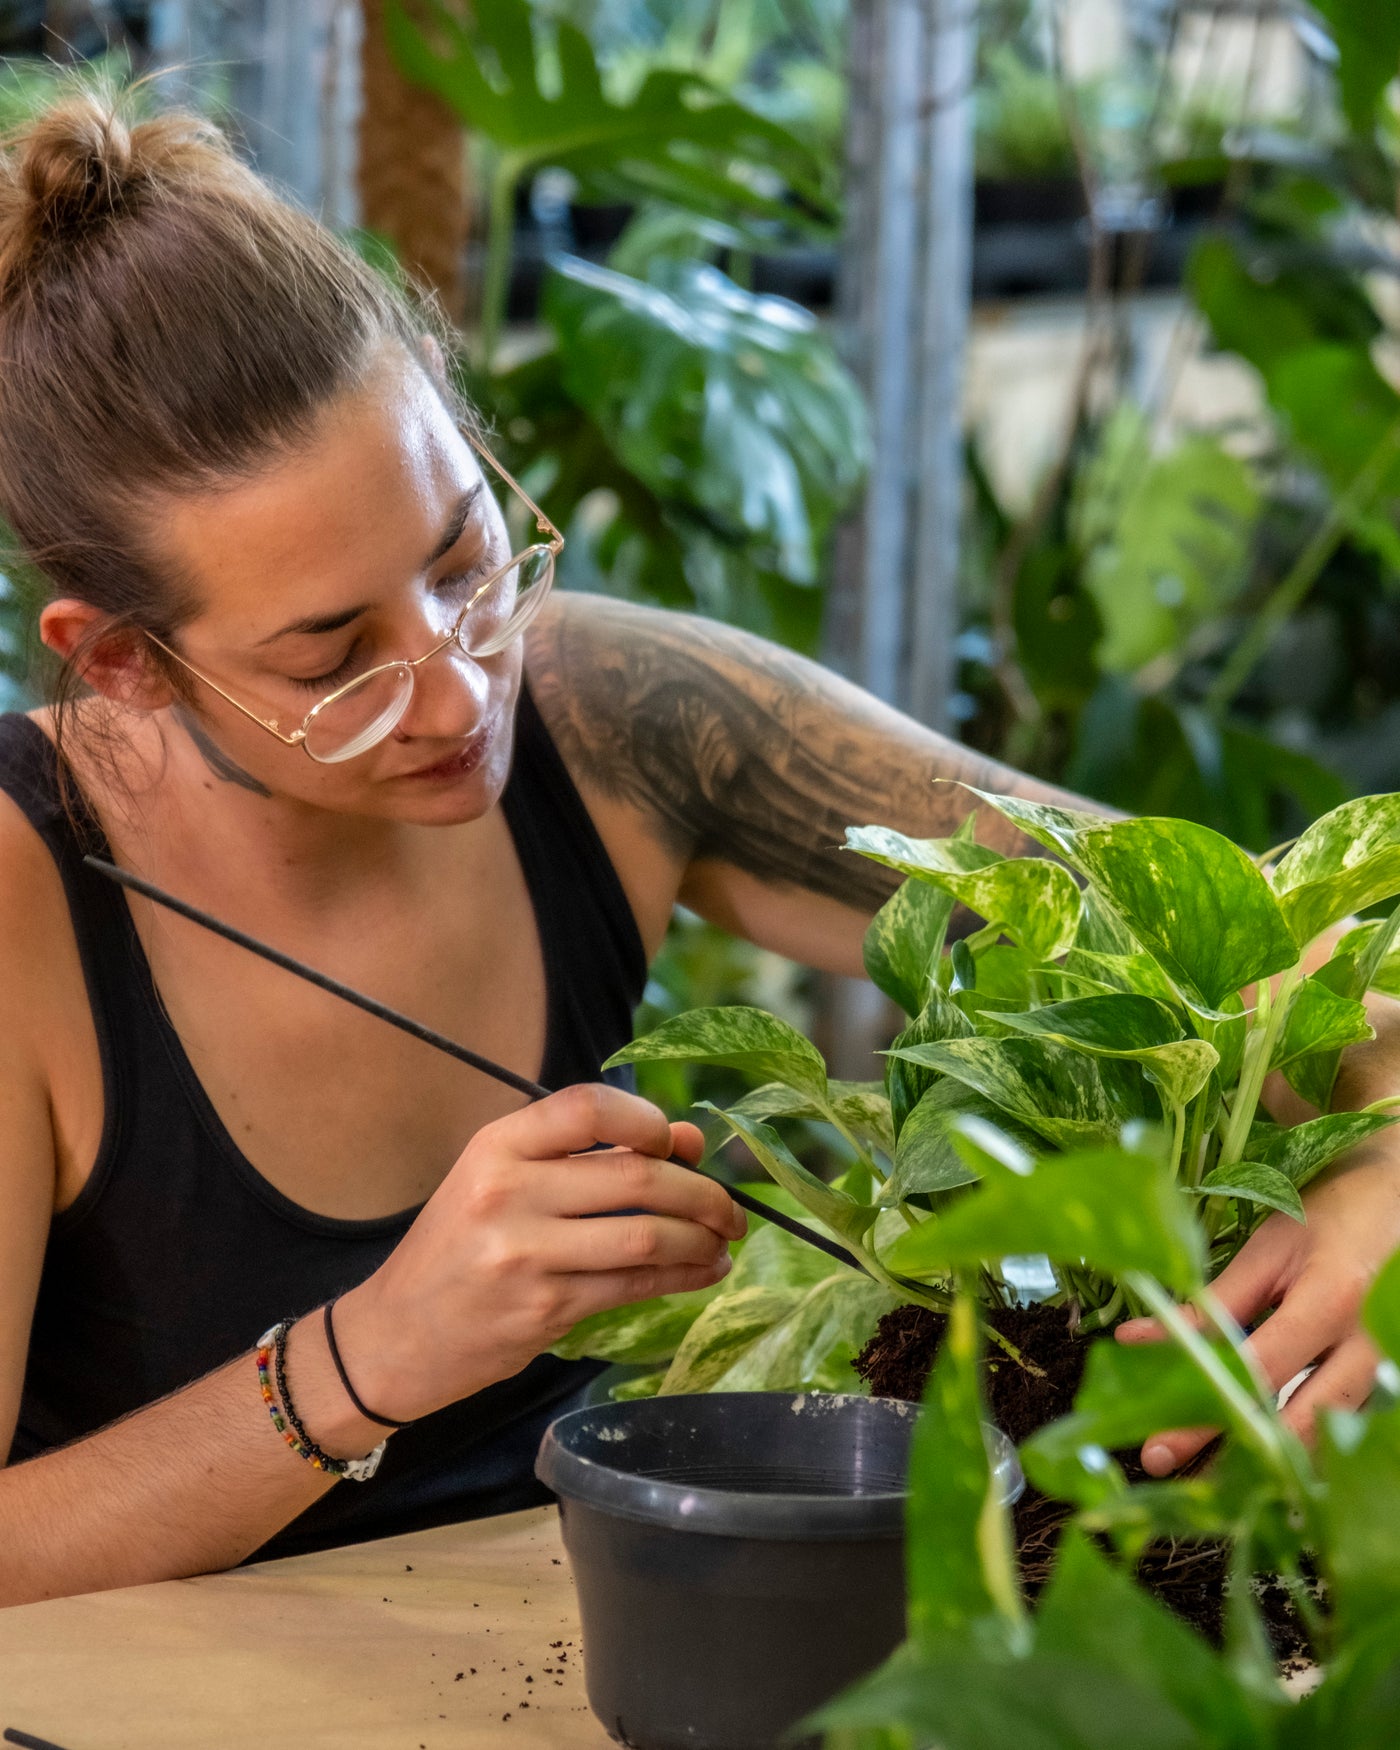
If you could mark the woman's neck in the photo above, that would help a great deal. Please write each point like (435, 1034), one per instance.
(187, 818)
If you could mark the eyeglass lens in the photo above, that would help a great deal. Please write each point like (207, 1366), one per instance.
(352, 721)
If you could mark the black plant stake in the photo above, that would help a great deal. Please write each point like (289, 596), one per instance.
(416, 1030)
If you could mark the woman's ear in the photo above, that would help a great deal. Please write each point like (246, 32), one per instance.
(434, 361)
(113, 660)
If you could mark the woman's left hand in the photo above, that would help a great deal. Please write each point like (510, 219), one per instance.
(1315, 1278)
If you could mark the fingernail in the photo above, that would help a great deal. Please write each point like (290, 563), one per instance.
(1158, 1459)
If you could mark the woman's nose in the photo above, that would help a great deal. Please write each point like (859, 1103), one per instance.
(450, 694)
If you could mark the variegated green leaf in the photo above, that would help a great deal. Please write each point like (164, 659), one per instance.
(1137, 973)
(640, 1334)
(813, 1346)
(1058, 1092)
(1125, 1026)
(1058, 829)
(1302, 1150)
(725, 1329)
(750, 1040)
(1030, 899)
(1111, 1209)
(1319, 1020)
(863, 1107)
(905, 940)
(1194, 900)
(926, 1159)
(907, 1083)
(1252, 1182)
(1347, 860)
(773, 1258)
(842, 1214)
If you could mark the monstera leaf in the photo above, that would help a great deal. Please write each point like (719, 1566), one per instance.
(731, 405)
(676, 138)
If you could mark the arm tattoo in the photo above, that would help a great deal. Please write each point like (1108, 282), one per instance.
(218, 762)
(741, 751)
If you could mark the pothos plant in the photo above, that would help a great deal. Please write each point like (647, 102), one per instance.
(1136, 987)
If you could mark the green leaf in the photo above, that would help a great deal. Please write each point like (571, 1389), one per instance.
(1194, 900)
(1166, 538)
(1344, 862)
(725, 1329)
(1100, 932)
(961, 1698)
(1302, 1150)
(1368, 43)
(812, 1347)
(773, 1258)
(927, 1160)
(1091, 1607)
(907, 1083)
(961, 1570)
(842, 1214)
(1058, 1092)
(1137, 973)
(1133, 1027)
(1132, 1390)
(750, 1040)
(904, 943)
(1319, 1020)
(676, 138)
(1382, 1309)
(1359, 1459)
(1252, 1183)
(644, 1333)
(863, 1107)
(1058, 829)
(730, 406)
(1112, 1210)
(1033, 901)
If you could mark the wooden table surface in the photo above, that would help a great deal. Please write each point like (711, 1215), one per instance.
(464, 1638)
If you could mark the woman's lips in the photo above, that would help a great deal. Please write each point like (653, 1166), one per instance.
(457, 765)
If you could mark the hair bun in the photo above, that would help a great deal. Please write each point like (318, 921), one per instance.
(75, 163)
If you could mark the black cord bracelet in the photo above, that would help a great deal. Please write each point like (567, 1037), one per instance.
(333, 1466)
(350, 1392)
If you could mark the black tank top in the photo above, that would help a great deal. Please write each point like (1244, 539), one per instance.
(177, 1253)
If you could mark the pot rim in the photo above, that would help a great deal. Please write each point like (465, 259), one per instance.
(694, 1507)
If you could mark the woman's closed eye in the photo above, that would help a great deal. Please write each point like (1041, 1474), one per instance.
(332, 678)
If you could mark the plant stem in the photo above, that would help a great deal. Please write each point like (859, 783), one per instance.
(1303, 574)
(1269, 1017)
(1104, 1316)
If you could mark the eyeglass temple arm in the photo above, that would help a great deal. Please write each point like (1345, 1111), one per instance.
(542, 522)
(293, 740)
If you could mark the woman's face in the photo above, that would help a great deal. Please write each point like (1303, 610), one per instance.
(359, 547)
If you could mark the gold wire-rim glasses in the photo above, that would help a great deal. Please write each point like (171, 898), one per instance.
(547, 550)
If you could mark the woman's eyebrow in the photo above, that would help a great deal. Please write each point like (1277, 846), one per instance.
(452, 533)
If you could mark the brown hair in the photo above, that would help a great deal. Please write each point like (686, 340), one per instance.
(166, 322)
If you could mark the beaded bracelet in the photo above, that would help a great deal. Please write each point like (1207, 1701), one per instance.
(271, 1354)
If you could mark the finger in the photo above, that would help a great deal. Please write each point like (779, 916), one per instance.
(1163, 1453)
(1344, 1381)
(1251, 1281)
(629, 1242)
(1312, 1318)
(580, 1117)
(596, 1291)
(687, 1141)
(594, 1183)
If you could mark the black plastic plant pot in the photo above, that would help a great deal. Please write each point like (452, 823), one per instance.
(738, 1557)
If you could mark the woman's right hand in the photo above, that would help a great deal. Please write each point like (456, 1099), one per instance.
(498, 1264)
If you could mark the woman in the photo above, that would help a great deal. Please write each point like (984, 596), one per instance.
(236, 457)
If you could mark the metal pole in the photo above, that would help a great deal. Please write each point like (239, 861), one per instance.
(946, 295)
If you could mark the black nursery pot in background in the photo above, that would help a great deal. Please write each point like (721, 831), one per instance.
(738, 1557)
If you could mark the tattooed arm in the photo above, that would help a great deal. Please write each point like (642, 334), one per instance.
(742, 764)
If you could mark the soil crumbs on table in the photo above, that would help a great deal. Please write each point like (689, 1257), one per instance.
(1189, 1577)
